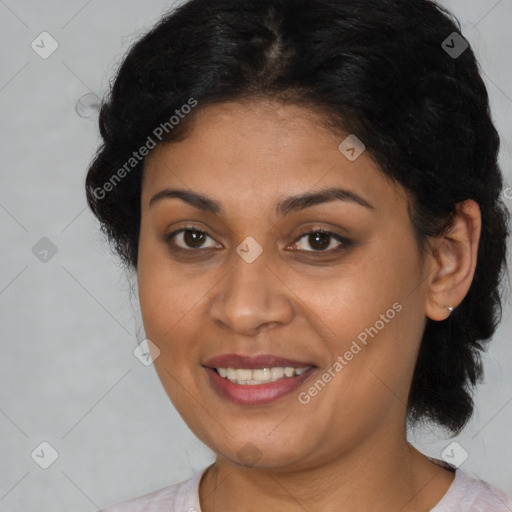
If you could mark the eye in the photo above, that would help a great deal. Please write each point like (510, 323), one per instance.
(321, 241)
(190, 239)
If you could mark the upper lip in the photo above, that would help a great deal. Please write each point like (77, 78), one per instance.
(252, 362)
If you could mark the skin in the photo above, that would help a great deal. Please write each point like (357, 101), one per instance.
(347, 448)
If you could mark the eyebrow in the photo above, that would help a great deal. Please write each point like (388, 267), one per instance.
(283, 207)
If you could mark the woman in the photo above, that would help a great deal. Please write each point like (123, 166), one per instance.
(308, 191)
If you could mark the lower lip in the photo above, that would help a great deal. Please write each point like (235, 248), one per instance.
(256, 394)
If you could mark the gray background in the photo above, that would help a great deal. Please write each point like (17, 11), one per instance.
(70, 324)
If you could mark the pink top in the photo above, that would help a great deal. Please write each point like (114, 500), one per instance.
(464, 495)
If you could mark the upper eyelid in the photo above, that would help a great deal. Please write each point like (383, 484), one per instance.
(176, 232)
(342, 240)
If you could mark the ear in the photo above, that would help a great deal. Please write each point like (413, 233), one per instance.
(453, 261)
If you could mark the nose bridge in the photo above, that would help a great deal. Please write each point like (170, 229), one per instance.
(250, 295)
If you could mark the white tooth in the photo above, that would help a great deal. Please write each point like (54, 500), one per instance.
(277, 373)
(289, 372)
(243, 374)
(261, 374)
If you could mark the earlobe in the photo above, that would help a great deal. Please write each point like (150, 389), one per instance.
(454, 262)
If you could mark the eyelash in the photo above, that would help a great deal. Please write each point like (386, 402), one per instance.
(344, 243)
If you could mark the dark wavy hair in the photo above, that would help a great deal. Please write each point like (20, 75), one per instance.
(380, 69)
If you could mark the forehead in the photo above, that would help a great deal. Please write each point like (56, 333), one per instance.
(252, 151)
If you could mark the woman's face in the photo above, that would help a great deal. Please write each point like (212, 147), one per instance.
(251, 281)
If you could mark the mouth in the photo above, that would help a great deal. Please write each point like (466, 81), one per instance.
(256, 380)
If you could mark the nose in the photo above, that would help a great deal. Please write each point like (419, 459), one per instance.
(252, 297)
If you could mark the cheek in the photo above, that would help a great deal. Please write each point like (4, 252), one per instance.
(366, 314)
(168, 292)
(352, 295)
(168, 302)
